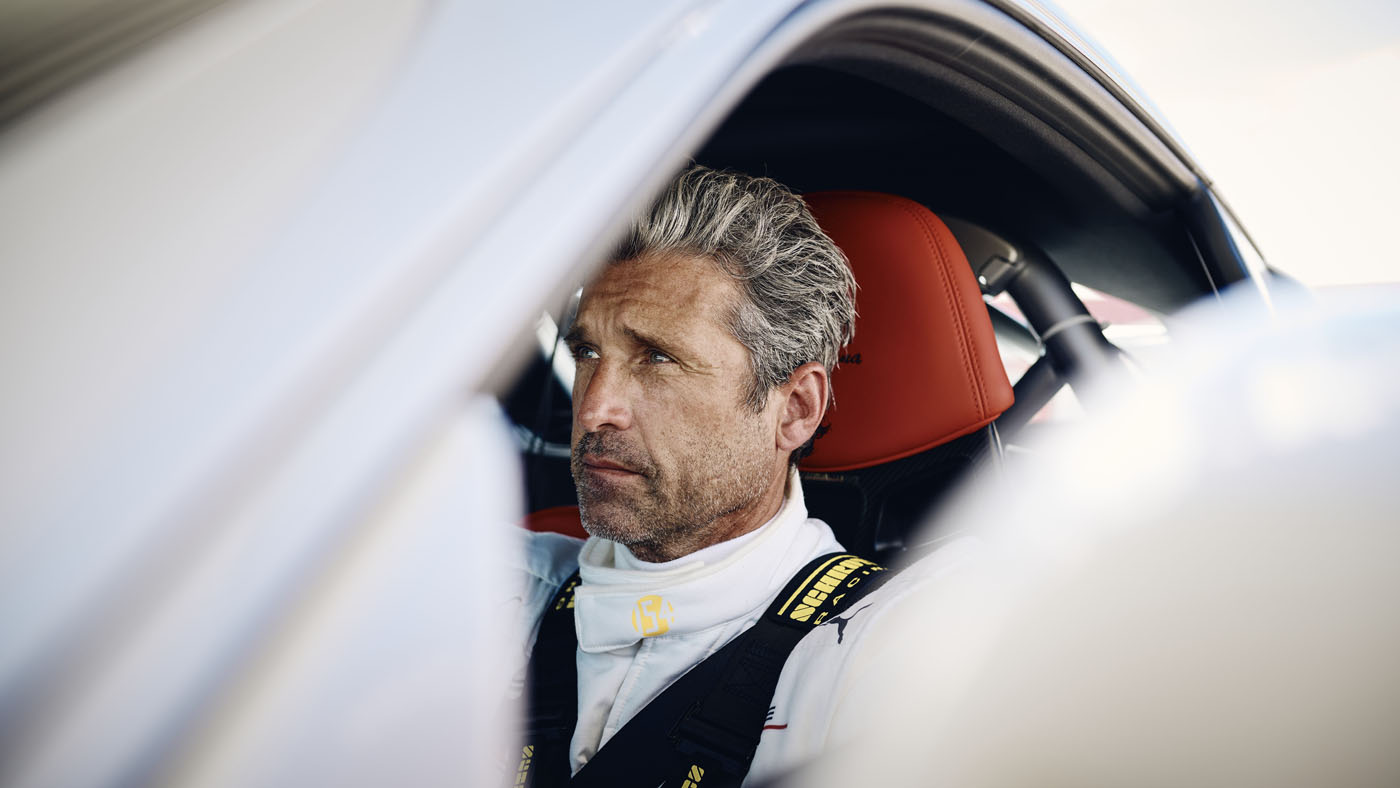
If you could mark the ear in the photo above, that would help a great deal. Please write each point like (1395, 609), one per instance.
(802, 404)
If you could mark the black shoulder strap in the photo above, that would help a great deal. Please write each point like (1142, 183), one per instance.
(702, 731)
(552, 690)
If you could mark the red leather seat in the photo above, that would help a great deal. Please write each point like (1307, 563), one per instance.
(557, 519)
(918, 389)
(923, 368)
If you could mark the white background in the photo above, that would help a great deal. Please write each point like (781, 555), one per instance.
(1292, 108)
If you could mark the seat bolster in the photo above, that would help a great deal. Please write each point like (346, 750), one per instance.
(556, 519)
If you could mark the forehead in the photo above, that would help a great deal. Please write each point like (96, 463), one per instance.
(676, 295)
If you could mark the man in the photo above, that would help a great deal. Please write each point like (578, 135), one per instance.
(704, 353)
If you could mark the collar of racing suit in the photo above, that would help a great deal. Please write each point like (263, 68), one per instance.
(623, 599)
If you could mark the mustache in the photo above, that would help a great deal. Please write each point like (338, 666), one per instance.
(612, 447)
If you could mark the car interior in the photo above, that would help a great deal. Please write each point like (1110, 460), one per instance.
(892, 149)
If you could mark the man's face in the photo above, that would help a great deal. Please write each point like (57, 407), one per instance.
(667, 458)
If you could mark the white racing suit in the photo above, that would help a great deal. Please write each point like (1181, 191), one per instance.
(642, 625)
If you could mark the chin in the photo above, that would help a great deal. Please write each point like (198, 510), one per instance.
(611, 520)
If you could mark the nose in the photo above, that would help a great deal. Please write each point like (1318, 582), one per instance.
(601, 398)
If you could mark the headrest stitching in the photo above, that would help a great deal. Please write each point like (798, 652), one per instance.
(969, 359)
(978, 390)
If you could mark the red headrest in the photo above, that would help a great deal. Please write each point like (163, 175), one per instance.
(923, 367)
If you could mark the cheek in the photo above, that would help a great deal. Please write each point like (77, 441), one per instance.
(705, 428)
(576, 398)
(582, 374)
(674, 426)
(583, 378)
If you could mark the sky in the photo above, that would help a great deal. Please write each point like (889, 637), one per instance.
(1292, 108)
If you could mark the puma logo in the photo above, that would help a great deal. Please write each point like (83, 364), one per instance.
(841, 621)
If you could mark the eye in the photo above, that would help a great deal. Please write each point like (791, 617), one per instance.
(655, 356)
(583, 352)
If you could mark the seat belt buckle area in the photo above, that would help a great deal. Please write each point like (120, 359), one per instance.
(714, 746)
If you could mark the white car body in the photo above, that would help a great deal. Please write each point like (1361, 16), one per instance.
(260, 271)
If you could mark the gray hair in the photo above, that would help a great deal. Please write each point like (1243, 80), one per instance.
(798, 294)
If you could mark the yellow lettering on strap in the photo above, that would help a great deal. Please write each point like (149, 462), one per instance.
(798, 593)
(828, 579)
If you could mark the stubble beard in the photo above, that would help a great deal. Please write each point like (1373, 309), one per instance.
(667, 513)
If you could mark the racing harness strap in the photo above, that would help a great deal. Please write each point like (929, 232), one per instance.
(705, 726)
(552, 688)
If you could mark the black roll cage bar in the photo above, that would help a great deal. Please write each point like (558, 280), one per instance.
(1075, 348)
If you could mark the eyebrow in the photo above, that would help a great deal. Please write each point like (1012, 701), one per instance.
(652, 341)
(576, 335)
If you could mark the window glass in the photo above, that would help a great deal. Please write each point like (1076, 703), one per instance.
(1126, 324)
(1133, 329)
